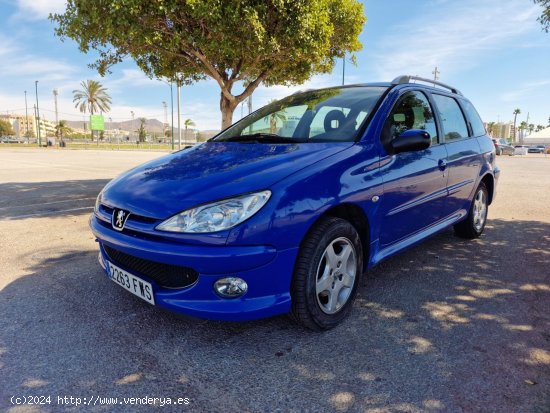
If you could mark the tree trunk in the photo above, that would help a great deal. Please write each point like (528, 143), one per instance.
(227, 108)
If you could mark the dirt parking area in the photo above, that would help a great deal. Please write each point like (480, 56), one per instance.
(449, 326)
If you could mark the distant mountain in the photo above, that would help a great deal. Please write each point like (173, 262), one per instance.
(152, 125)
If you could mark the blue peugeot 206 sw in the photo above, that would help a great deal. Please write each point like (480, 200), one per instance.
(286, 209)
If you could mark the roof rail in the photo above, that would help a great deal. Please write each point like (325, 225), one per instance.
(399, 80)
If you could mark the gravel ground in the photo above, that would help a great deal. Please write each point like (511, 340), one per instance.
(450, 326)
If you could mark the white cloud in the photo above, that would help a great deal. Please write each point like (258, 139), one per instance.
(43, 68)
(38, 9)
(129, 78)
(525, 90)
(453, 39)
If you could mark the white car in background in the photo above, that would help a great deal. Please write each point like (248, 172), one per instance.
(521, 149)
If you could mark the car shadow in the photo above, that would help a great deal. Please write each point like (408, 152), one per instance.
(450, 325)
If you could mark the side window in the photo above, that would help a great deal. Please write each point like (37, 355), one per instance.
(412, 111)
(452, 118)
(475, 121)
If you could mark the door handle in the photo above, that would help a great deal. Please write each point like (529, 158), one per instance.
(442, 164)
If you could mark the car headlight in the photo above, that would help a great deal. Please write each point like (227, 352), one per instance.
(217, 216)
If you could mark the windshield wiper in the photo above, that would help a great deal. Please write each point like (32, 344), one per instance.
(262, 138)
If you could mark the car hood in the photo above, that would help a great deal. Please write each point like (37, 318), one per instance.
(208, 172)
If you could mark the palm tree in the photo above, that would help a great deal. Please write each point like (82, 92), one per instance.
(142, 133)
(187, 124)
(516, 112)
(274, 117)
(531, 128)
(522, 127)
(62, 129)
(490, 127)
(92, 98)
(539, 128)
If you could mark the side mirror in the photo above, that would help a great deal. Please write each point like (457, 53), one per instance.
(411, 140)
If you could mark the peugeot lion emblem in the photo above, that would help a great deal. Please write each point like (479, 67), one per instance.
(119, 219)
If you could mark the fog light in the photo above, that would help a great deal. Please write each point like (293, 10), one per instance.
(230, 287)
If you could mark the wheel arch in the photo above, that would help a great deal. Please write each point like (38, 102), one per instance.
(489, 182)
(355, 215)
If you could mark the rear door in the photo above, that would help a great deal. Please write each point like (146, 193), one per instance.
(414, 182)
(464, 161)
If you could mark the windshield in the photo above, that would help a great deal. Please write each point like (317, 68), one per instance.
(327, 115)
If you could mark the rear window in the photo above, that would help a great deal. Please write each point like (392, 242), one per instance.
(452, 118)
(476, 123)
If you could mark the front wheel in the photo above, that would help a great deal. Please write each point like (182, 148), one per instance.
(473, 225)
(327, 274)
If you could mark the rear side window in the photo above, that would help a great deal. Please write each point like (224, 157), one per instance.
(476, 123)
(452, 119)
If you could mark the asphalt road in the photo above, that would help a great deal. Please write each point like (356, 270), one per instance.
(450, 326)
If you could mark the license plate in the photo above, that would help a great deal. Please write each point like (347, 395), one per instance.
(135, 285)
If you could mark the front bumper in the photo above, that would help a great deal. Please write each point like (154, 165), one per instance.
(267, 272)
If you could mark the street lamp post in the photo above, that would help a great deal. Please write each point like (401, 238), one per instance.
(55, 93)
(172, 108)
(165, 124)
(110, 129)
(178, 89)
(343, 70)
(132, 125)
(37, 112)
(27, 117)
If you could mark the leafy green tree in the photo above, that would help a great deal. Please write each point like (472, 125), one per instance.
(142, 133)
(6, 128)
(200, 137)
(234, 42)
(516, 112)
(539, 128)
(544, 18)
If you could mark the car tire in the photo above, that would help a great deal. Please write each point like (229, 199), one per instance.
(327, 274)
(474, 224)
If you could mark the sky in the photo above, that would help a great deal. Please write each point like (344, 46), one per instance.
(493, 51)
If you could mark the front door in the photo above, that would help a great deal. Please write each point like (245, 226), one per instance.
(415, 183)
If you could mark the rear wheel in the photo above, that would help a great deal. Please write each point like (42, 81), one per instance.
(473, 225)
(327, 274)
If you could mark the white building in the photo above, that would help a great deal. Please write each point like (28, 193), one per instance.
(538, 138)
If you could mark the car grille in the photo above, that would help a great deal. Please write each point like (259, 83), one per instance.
(165, 275)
